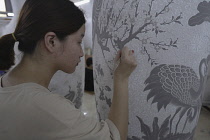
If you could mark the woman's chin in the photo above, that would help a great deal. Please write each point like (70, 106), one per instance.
(72, 71)
(69, 71)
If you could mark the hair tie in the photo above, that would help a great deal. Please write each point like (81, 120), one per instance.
(13, 35)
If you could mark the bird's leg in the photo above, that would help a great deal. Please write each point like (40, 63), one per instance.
(177, 124)
(177, 111)
(181, 116)
(185, 124)
(189, 116)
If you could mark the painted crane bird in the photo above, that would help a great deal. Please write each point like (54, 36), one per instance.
(178, 85)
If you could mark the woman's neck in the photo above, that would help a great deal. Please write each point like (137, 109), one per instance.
(27, 71)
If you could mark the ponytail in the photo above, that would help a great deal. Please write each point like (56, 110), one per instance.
(7, 54)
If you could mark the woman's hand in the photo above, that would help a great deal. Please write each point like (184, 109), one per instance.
(127, 63)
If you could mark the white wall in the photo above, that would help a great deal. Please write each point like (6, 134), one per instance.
(87, 8)
(16, 6)
(3, 23)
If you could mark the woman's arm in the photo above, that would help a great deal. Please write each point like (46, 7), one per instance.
(119, 109)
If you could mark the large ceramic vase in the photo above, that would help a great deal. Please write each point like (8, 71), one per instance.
(69, 85)
(171, 40)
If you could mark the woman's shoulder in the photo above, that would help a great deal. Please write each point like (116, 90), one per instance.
(51, 101)
(45, 97)
(35, 94)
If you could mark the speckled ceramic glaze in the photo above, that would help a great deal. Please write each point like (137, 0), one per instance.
(171, 40)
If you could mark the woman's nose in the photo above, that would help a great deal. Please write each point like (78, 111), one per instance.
(81, 53)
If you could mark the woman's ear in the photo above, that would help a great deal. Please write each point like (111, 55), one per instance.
(51, 42)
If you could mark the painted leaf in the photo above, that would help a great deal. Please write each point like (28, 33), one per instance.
(178, 22)
(107, 88)
(108, 101)
(178, 136)
(178, 17)
(144, 128)
(164, 49)
(134, 138)
(155, 127)
(164, 127)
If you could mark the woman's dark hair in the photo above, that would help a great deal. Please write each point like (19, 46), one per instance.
(36, 18)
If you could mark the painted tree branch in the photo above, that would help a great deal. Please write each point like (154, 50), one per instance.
(173, 20)
(125, 2)
(150, 7)
(162, 11)
(131, 36)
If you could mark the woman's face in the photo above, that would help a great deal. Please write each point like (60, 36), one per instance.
(72, 51)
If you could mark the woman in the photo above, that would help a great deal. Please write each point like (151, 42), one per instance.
(50, 33)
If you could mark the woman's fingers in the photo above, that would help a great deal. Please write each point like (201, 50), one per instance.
(118, 56)
(127, 62)
(128, 56)
(125, 51)
(133, 59)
